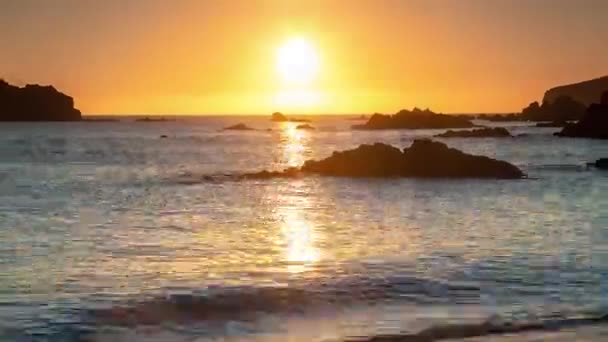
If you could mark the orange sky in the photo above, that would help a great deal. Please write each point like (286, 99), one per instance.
(220, 56)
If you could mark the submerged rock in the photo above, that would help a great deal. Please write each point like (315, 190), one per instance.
(593, 125)
(415, 119)
(238, 127)
(496, 132)
(35, 103)
(306, 127)
(424, 159)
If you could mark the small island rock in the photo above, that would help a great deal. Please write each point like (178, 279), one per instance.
(496, 132)
(414, 119)
(238, 127)
(424, 159)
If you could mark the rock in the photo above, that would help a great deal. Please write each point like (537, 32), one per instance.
(602, 163)
(563, 108)
(35, 103)
(593, 125)
(424, 159)
(163, 136)
(306, 127)
(238, 127)
(497, 132)
(278, 117)
(586, 92)
(415, 119)
(149, 119)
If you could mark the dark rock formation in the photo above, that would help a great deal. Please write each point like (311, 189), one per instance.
(497, 132)
(305, 126)
(601, 163)
(35, 103)
(563, 108)
(415, 119)
(238, 127)
(586, 92)
(278, 117)
(149, 119)
(424, 159)
(593, 125)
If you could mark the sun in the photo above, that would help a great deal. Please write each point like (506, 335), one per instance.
(297, 62)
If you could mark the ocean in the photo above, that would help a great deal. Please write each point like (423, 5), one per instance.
(109, 232)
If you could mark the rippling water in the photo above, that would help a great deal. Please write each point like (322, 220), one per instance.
(107, 232)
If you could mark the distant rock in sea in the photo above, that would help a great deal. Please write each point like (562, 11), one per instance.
(495, 132)
(305, 127)
(587, 92)
(35, 103)
(593, 125)
(149, 119)
(414, 119)
(238, 127)
(278, 117)
(424, 159)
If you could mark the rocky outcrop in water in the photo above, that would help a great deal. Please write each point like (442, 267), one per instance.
(587, 92)
(496, 132)
(238, 127)
(424, 159)
(305, 127)
(278, 117)
(414, 119)
(553, 124)
(593, 125)
(35, 103)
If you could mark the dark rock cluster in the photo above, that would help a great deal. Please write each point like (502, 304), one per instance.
(414, 119)
(496, 132)
(593, 125)
(424, 159)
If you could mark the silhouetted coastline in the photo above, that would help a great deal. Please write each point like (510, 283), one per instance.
(35, 103)
(593, 125)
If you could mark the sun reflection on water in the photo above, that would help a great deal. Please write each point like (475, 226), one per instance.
(294, 144)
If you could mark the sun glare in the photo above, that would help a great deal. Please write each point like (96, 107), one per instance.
(297, 62)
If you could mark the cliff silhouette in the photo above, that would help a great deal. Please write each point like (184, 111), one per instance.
(587, 92)
(35, 103)
(562, 109)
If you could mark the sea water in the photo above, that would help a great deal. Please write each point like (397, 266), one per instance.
(110, 232)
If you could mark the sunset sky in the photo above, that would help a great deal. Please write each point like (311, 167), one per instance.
(302, 56)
